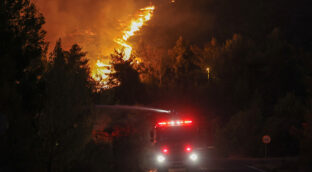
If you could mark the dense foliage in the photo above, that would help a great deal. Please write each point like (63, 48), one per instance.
(250, 78)
(45, 103)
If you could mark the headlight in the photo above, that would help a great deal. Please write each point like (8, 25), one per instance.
(161, 158)
(193, 157)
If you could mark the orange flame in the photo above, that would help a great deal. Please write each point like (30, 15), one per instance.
(144, 15)
(101, 70)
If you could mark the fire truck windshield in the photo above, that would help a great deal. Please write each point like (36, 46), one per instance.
(175, 134)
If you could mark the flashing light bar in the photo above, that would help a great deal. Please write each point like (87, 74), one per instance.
(175, 123)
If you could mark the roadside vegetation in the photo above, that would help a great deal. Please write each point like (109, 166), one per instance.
(244, 81)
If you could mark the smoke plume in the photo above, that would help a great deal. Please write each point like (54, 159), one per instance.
(93, 24)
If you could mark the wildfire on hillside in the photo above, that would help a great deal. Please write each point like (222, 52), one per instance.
(101, 70)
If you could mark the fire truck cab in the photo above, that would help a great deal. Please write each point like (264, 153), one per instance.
(176, 145)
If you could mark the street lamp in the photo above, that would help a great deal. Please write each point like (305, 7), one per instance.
(208, 72)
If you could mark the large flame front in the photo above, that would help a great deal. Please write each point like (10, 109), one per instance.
(144, 15)
(101, 70)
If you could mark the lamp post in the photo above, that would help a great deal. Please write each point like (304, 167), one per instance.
(208, 72)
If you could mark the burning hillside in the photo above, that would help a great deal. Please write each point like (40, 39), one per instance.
(101, 70)
(98, 26)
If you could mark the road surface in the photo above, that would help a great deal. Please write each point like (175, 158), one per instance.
(230, 166)
(225, 166)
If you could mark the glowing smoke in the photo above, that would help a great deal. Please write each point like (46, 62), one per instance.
(93, 24)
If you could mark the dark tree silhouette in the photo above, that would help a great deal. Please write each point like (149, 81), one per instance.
(66, 121)
(22, 48)
(128, 87)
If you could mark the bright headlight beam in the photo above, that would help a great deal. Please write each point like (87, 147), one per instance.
(161, 158)
(193, 157)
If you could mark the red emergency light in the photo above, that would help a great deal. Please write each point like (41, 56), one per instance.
(165, 150)
(188, 148)
(175, 123)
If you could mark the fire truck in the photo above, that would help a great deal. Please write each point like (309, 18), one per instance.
(177, 140)
(176, 145)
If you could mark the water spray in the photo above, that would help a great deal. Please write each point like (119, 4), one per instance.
(127, 107)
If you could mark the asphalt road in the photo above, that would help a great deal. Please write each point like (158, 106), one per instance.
(225, 166)
(229, 166)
